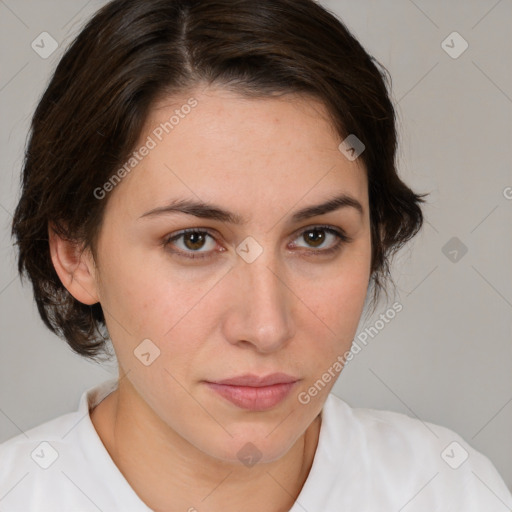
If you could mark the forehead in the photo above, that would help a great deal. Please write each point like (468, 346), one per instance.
(219, 146)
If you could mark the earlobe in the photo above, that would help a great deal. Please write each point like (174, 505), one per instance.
(75, 268)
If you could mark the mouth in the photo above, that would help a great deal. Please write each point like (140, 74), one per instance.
(255, 393)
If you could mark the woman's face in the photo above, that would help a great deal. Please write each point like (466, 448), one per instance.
(269, 294)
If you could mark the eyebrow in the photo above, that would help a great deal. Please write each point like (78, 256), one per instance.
(205, 210)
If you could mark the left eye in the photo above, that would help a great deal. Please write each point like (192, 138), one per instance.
(193, 240)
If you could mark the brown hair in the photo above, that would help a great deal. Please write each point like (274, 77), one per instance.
(130, 54)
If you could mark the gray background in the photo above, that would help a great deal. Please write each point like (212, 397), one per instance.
(446, 357)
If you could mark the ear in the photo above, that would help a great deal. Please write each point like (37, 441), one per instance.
(75, 268)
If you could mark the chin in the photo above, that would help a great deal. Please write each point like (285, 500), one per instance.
(253, 448)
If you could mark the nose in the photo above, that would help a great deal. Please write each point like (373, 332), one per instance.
(260, 312)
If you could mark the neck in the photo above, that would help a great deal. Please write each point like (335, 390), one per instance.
(168, 473)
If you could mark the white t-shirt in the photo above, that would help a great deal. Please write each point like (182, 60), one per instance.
(366, 460)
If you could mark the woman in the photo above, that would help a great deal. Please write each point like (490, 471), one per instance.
(211, 185)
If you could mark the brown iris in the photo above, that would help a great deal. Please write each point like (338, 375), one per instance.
(196, 240)
(314, 236)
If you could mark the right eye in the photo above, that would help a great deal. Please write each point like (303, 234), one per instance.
(192, 240)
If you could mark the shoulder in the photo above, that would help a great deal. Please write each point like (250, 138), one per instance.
(35, 448)
(397, 451)
(62, 464)
(54, 430)
(50, 464)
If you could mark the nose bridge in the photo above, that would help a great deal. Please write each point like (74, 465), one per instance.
(263, 313)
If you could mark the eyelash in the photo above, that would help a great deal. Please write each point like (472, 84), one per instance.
(343, 238)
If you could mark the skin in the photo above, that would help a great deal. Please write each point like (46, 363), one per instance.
(174, 439)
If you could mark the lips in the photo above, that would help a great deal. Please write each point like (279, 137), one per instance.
(253, 392)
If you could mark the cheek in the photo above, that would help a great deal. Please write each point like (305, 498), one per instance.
(337, 298)
(134, 288)
(330, 322)
(145, 297)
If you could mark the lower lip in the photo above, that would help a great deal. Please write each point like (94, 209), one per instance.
(252, 398)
